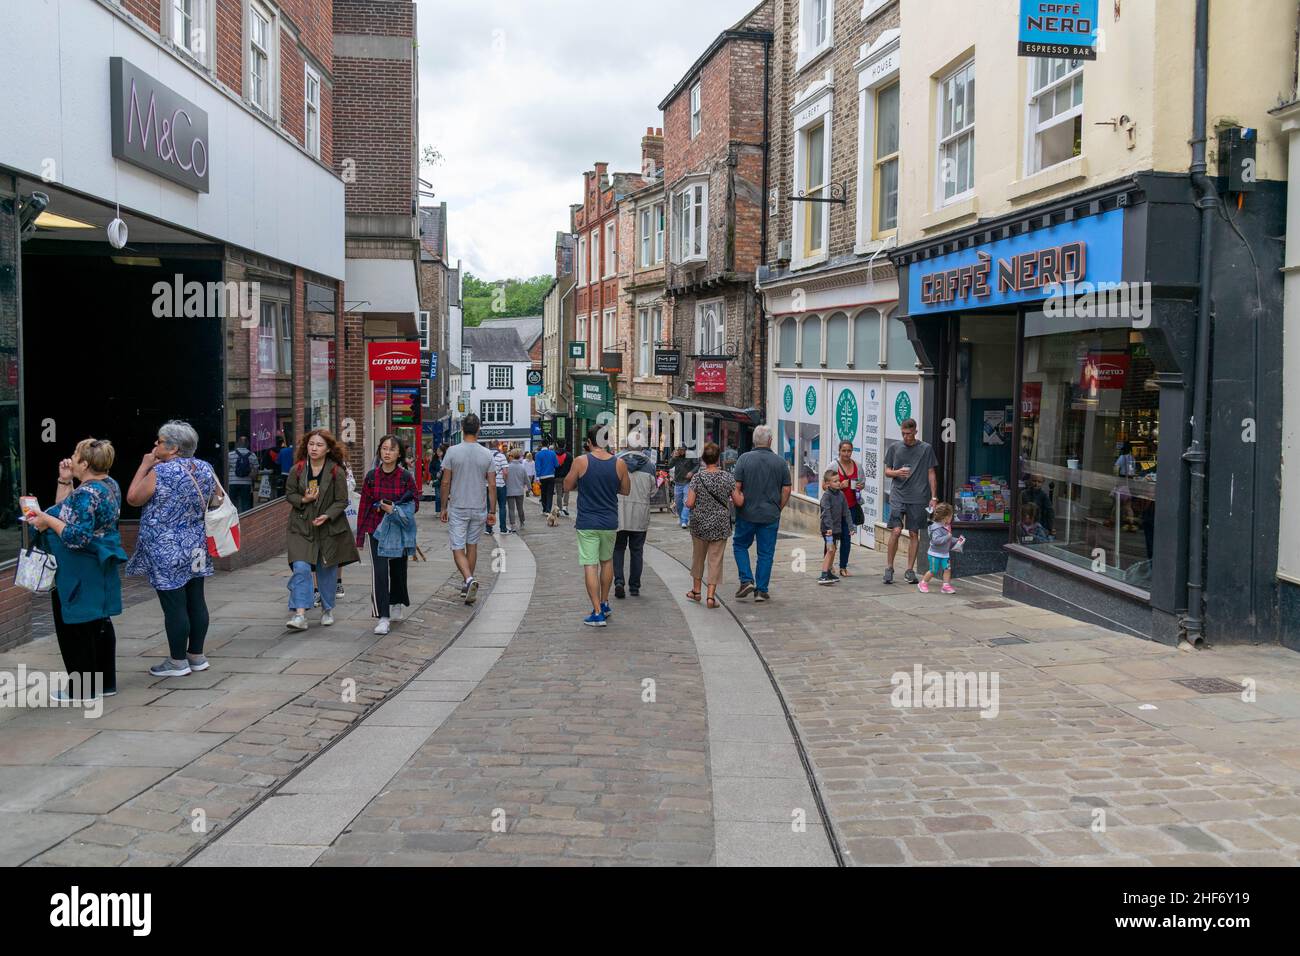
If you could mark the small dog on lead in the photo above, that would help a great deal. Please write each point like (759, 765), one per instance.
(553, 518)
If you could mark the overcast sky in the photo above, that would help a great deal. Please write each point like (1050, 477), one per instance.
(522, 96)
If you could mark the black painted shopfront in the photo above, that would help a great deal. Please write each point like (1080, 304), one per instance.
(1057, 349)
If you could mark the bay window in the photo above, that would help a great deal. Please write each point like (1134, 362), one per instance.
(690, 237)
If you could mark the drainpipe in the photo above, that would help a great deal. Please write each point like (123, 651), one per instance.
(1195, 456)
(762, 229)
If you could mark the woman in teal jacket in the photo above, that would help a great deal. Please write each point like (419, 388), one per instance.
(80, 530)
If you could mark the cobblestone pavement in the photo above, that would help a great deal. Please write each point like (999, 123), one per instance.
(1093, 730)
(169, 757)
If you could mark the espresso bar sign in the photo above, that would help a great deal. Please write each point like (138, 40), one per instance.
(156, 128)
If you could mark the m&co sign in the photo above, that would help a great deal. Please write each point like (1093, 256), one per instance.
(156, 128)
(394, 361)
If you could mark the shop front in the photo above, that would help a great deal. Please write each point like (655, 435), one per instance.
(1054, 344)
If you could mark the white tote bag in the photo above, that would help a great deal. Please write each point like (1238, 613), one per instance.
(354, 505)
(220, 524)
(36, 569)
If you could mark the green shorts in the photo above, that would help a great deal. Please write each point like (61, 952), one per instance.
(596, 546)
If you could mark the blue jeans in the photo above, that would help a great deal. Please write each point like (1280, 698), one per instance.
(502, 523)
(679, 502)
(846, 542)
(746, 532)
(300, 586)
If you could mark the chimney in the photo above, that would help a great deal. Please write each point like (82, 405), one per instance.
(652, 152)
(602, 175)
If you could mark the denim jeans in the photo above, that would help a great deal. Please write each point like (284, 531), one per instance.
(846, 542)
(300, 585)
(746, 532)
(679, 502)
(502, 523)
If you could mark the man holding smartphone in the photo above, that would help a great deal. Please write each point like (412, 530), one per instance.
(911, 464)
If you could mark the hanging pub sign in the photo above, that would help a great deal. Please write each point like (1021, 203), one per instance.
(668, 361)
(394, 361)
(156, 128)
(710, 377)
(1058, 29)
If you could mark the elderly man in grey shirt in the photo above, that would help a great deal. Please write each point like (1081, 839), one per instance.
(764, 478)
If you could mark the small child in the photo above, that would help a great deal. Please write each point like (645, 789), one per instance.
(941, 544)
(834, 513)
(1031, 532)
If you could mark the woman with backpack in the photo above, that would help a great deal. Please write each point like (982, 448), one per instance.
(320, 539)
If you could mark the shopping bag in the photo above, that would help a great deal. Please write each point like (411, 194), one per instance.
(537, 489)
(36, 569)
(222, 526)
(354, 504)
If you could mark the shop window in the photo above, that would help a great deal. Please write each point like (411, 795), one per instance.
(984, 403)
(11, 484)
(837, 341)
(811, 355)
(260, 400)
(786, 339)
(1055, 121)
(1089, 433)
(901, 354)
(320, 383)
(866, 340)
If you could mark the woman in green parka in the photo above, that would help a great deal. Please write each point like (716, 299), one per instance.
(320, 539)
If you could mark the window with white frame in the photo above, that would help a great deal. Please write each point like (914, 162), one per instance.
(595, 256)
(467, 364)
(659, 232)
(695, 110)
(884, 177)
(496, 412)
(710, 328)
(261, 56)
(424, 384)
(582, 261)
(816, 26)
(956, 158)
(423, 330)
(311, 108)
(649, 333)
(814, 164)
(1055, 120)
(607, 332)
(582, 337)
(501, 376)
(645, 236)
(611, 260)
(690, 232)
(189, 27)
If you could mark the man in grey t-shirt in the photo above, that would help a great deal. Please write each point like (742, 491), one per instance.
(764, 478)
(911, 464)
(469, 490)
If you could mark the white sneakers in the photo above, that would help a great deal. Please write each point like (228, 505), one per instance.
(327, 619)
(296, 623)
(399, 611)
(382, 626)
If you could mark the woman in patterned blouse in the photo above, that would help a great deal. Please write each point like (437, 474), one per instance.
(711, 491)
(175, 490)
(87, 590)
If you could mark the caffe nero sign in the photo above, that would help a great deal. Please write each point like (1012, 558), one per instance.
(157, 129)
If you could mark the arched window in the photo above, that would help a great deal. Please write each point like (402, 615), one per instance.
(837, 341)
(866, 340)
(902, 355)
(786, 335)
(812, 342)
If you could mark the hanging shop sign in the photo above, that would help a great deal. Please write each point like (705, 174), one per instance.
(534, 379)
(611, 362)
(156, 128)
(577, 350)
(668, 361)
(394, 361)
(1022, 268)
(710, 377)
(1058, 29)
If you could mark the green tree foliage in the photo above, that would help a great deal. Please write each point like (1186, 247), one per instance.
(504, 298)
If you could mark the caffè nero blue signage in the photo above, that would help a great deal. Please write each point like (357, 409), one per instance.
(1024, 268)
(156, 128)
(1058, 29)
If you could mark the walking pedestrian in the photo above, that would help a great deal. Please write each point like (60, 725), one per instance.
(469, 490)
(385, 486)
(319, 539)
(563, 465)
(711, 494)
(834, 517)
(517, 483)
(939, 553)
(530, 466)
(682, 469)
(599, 478)
(911, 464)
(80, 531)
(850, 483)
(240, 474)
(546, 464)
(763, 479)
(501, 464)
(633, 515)
(175, 490)
(435, 476)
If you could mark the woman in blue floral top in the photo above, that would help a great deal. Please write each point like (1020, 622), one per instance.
(175, 488)
(80, 530)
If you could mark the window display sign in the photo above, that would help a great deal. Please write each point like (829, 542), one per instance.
(1058, 29)
(902, 401)
(808, 401)
(870, 462)
(787, 428)
(1022, 268)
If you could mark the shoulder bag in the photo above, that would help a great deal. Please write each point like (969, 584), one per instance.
(220, 524)
(726, 503)
(856, 514)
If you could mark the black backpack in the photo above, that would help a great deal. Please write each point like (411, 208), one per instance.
(243, 466)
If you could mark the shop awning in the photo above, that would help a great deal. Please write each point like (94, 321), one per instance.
(745, 416)
(381, 285)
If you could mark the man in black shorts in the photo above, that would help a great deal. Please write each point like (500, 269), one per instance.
(911, 464)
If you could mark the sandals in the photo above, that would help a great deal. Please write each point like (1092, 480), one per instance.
(693, 596)
(714, 604)
(844, 572)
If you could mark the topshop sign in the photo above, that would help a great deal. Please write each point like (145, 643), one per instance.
(157, 129)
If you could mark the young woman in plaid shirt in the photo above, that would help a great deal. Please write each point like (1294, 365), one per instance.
(385, 485)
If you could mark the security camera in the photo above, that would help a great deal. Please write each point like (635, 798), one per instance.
(32, 206)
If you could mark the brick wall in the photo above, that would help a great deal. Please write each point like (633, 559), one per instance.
(15, 612)
(230, 44)
(147, 10)
(262, 535)
(292, 89)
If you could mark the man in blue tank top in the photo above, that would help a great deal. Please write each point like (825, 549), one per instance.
(599, 478)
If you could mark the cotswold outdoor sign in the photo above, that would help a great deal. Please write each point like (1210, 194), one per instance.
(1059, 29)
(157, 129)
(1022, 268)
